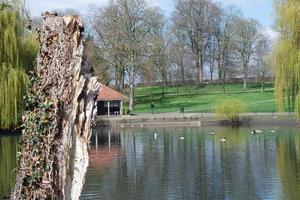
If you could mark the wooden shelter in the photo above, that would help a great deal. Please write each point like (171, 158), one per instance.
(110, 102)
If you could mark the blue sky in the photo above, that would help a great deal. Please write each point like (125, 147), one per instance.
(257, 9)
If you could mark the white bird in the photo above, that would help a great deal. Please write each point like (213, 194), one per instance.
(142, 125)
(223, 140)
(182, 138)
(131, 125)
(212, 132)
(155, 136)
(122, 126)
(258, 131)
(272, 131)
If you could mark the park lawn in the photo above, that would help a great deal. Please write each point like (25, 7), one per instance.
(209, 88)
(203, 99)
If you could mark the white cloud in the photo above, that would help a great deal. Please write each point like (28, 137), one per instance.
(271, 33)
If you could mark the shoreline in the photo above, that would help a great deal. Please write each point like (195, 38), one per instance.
(185, 120)
(194, 120)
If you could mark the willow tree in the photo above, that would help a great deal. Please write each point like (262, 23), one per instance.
(287, 54)
(17, 51)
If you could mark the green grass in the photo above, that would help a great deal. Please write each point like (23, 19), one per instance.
(204, 98)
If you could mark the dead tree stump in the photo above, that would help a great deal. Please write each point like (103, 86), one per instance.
(60, 106)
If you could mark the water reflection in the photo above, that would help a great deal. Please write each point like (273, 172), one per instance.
(8, 150)
(288, 163)
(199, 167)
(134, 164)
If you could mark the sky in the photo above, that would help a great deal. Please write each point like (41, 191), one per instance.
(258, 9)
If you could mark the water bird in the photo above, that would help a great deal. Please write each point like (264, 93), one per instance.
(222, 139)
(155, 136)
(122, 126)
(256, 131)
(131, 125)
(142, 125)
(212, 132)
(182, 138)
(272, 131)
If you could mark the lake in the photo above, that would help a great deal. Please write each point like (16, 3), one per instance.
(183, 163)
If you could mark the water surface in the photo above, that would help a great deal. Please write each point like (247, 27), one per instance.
(246, 166)
(138, 165)
(8, 160)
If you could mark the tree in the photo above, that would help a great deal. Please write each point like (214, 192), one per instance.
(211, 55)
(192, 18)
(225, 42)
(94, 58)
(247, 33)
(60, 108)
(262, 60)
(122, 28)
(177, 53)
(158, 49)
(17, 52)
(135, 29)
(286, 54)
(111, 52)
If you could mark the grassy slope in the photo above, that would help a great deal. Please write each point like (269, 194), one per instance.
(203, 99)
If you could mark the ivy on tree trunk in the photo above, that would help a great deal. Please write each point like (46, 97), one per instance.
(60, 108)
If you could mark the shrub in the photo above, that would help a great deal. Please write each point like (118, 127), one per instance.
(231, 110)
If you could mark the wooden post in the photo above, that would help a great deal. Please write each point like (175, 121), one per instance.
(61, 106)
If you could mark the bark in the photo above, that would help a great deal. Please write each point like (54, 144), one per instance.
(61, 106)
(224, 78)
(245, 76)
(263, 83)
(199, 66)
(211, 69)
(182, 71)
(198, 71)
(131, 88)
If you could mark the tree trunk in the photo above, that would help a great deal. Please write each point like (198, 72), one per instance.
(61, 105)
(219, 61)
(123, 77)
(131, 87)
(201, 68)
(224, 78)
(211, 69)
(245, 77)
(263, 83)
(198, 70)
(182, 71)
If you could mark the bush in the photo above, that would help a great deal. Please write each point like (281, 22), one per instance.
(231, 110)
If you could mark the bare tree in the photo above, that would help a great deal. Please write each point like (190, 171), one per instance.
(192, 18)
(122, 28)
(177, 53)
(262, 60)
(211, 55)
(94, 58)
(134, 31)
(107, 25)
(225, 43)
(158, 49)
(247, 33)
